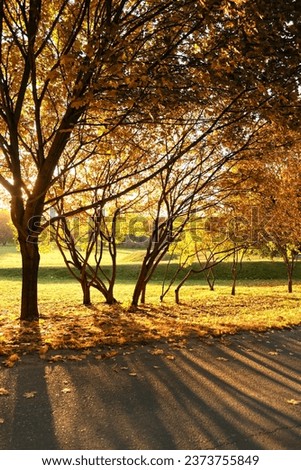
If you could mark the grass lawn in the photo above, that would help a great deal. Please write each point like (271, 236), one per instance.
(261, 303)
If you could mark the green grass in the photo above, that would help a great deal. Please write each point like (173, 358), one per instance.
(261, 302)
(55, 280)
(52, 268)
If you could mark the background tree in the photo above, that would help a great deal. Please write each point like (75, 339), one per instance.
(280, 208)
(213, 239)
(6, 229)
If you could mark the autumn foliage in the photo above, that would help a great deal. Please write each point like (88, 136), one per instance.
(109, 103)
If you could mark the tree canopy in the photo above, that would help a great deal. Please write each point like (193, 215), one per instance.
(101, 85)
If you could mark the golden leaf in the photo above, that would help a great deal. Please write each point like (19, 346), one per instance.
(11, 360)
(157, 352)
(56, 358)
(170, 357)
(292, 401)
(3, 392)
(73, 357)
(30, 394)
(43, 349)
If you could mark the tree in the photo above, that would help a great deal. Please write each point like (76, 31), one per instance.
(208, 245)
(70, 73)
(266, 204)
(83, 240)
(279, 207)
(191, 182)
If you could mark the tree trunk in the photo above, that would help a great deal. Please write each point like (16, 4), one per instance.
(86, 291)
(233, 290)
(30, 268)
(110, 299)
(290, 283)
(234, 273)
(143, 294)
(177, 295)
(139, 286)
(210, 278)
(290, 271)
(177, 290)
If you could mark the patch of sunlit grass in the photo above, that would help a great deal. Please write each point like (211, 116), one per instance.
(66, 324)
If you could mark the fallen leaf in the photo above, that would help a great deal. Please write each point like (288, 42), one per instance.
(56, 358)
(273, 353)
(11, 360)
(106, 355)
(3, 392)
(1, 420)
(292, 401)
(133, 374)
(30, 394)
(109, 354)
(73, 357)
(170, 357)
(157, 352)
(66, 390)
(43, 350)
(14, 358)
(221, 358)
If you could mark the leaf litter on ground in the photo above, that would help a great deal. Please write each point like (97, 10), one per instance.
(108, 328)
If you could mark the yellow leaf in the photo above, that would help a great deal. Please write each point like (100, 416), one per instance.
(3, 392)
(73, 357)
(66, 390)
(56, 358)
(170, 357)
(11, 360)
(293, 401)
(43, 349)
(157, 352)
(30, 394)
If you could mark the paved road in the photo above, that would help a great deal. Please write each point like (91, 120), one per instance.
(238, 392)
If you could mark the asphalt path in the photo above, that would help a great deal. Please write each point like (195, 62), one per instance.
(234, 392)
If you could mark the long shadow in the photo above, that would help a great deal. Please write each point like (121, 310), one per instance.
(32, 425)
(188, 403)
(224, 396)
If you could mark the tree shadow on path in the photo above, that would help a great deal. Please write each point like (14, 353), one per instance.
(239, 392)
